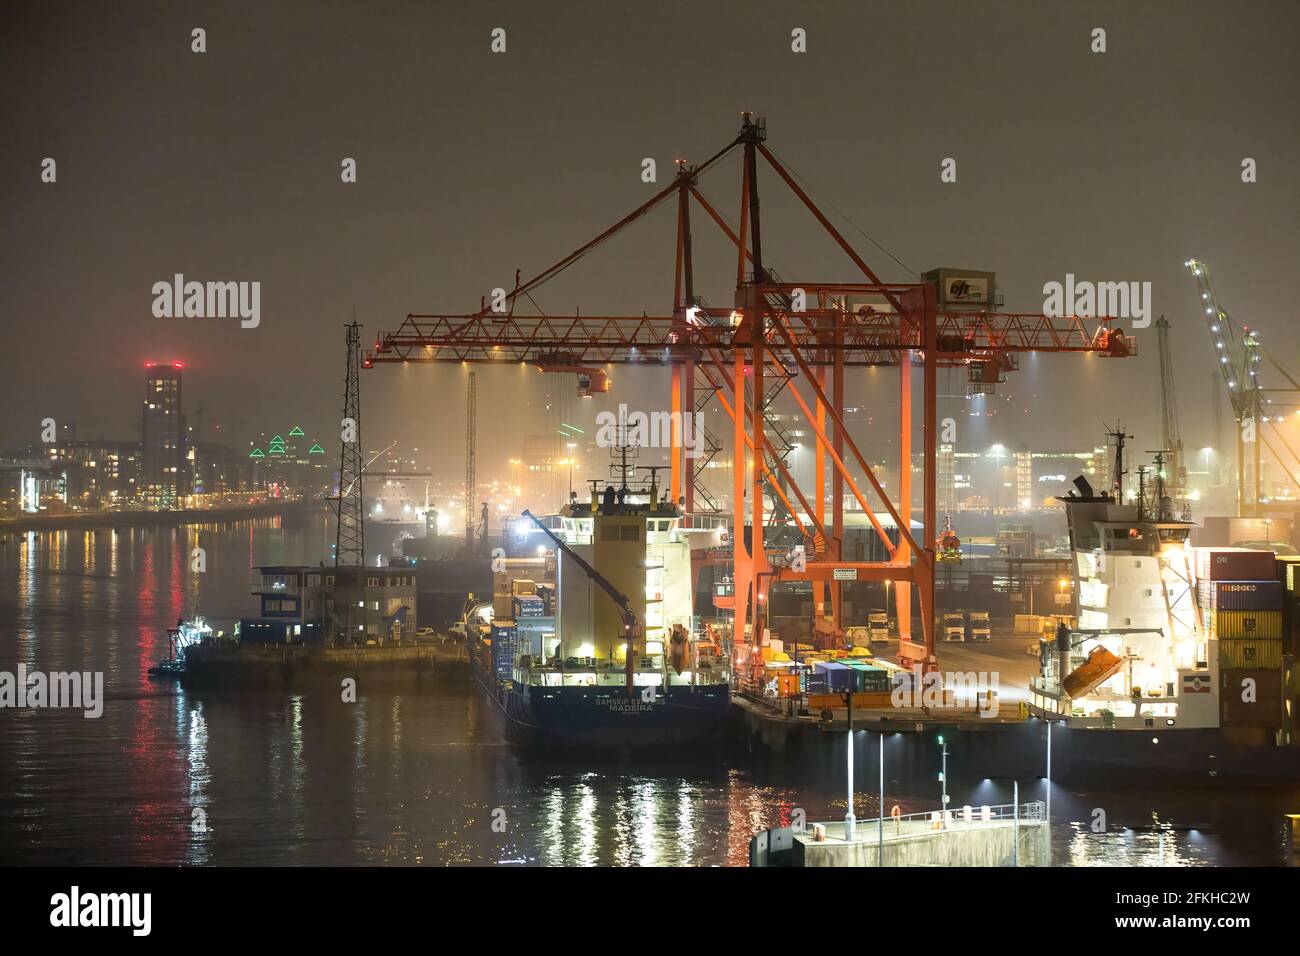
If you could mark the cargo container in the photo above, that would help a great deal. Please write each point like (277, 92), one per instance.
(1250, 653)
(1233, 625)
(504, 643)
(1234, 564)
(868, 680)
(1288, 571)
(1241, 595)
(1251, 697)
(1291, 622)
(529, 606)
(840, 678)
(502, 608)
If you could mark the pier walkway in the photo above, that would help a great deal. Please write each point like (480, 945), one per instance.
(969, 836)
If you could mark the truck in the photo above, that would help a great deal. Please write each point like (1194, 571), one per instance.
(878, 625)
(979, 628)
(954, 625)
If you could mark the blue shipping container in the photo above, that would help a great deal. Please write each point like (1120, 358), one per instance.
(1241, 595)
(839, 678)
(504, 645)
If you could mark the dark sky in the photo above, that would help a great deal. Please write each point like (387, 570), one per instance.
(1114, 166)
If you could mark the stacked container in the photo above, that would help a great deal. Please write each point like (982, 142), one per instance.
(1241, 604)
(504, 645)
(840, 679)
(528, 605)
(1288, 575)
(867, 679)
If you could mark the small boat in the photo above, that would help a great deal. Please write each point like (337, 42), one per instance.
(179, 638)
(170, 667)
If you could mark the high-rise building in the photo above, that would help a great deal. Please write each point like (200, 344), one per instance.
(945, 482)
(164, 469)
(540, 480)
(1025, 480)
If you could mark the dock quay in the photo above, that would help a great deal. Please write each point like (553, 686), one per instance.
(1005, 835)
(997, 746)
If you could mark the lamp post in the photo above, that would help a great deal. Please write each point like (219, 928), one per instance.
(1015, 831)
(880, 817)
(849, 819)
(943, 780)
(1048, 810)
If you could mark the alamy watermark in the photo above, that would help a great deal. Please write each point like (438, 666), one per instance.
(208, 300)
(59, 689)
(73, 909)
(930, 691)
(650, 430)
(1122, 300)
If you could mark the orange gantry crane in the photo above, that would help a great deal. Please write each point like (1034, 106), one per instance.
(778, 336)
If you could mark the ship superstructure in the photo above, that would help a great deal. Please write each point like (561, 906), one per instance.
(593, 641)
(1138, 657)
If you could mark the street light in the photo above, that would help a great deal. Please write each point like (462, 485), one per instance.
(880, 817)
(849, 819)
(943, 780)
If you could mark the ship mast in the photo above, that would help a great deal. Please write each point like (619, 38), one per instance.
(1119, 436)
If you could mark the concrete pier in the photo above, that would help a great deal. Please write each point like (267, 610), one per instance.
(926, 840)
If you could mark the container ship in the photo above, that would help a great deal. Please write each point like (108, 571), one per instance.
(1182, 659)
(590, 641)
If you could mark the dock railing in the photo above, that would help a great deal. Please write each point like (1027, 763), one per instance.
(928, 821)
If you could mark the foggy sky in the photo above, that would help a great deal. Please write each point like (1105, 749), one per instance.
(225, 166)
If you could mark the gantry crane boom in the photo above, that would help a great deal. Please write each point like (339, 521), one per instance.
(792, 338)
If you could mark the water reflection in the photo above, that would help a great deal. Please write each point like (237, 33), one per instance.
(414, 777)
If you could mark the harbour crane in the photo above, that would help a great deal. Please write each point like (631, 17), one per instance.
(1175, 478)
(1239, 354)
(631, 625)
(795, 339)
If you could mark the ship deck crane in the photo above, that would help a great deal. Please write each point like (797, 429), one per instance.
(1170, 435)
(797, 339)
(631, 625)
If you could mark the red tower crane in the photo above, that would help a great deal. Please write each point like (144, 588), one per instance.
(798, 338)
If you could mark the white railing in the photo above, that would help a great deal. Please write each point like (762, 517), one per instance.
(929, 821)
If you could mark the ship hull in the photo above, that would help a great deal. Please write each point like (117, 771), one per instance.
(1192, 754)
(607, 718)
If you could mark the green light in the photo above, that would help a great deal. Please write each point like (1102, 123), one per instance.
(256, 453)
(315, 450)
(296, 432)
(941, 739)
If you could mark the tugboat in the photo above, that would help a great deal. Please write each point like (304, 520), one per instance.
(179, 638)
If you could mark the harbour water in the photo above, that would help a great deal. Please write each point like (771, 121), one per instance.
(417, 776)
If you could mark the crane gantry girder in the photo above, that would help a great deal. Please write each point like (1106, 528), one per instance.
(867, 337)
(778, 332)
